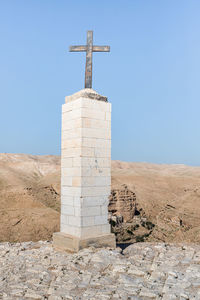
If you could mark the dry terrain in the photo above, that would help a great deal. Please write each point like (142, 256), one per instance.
(29, 197)
(165, 200)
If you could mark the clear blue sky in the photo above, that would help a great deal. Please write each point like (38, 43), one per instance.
(151, 75)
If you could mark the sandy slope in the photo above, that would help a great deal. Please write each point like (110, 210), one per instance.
(30, 197)
(28, 187)
(169, 195)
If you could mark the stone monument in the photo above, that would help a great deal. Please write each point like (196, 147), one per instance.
(85, 165)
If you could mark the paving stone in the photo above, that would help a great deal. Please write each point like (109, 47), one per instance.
(144, 271)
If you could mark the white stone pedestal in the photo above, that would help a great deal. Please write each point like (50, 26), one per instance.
(85, 172)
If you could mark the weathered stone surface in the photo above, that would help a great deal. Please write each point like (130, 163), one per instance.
(86, 93)
(66, 242)
(144, 271)
(122, 202)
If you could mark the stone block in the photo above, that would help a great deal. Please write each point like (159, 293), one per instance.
(96, 105)
(91, 231)
(97, 162)
(93, 123)
(86, 93)
(97, 133)
(78, 103)
(95, 181)
(72, 230)
(66, 181)
(78, 201)
(90, 211)
(76, 152)
(67, 200)
(73, 104)
(96, 143)
(66, 162)
(66, 107)
(75, 171)
(77, 209)
(87, 152)
(87, 221)
(95, 191)
(71, 124)
(67, 210)
(94, 171)
(71, 134)
(71, 143)
(101, 220)
(71, 191)
(73, 114)
(71, 152)
(76, 181)
(95, 200)
(108, 116)
(70, 243)
(105, 228)
(93, 114)
(90, 201)
(102, 152)
(77, 162)
(104, 209)
(74, 221)
(64, 219)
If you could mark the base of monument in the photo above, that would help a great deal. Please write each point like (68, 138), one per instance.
(69, 243)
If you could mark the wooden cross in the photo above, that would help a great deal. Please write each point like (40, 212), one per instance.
(89, 48)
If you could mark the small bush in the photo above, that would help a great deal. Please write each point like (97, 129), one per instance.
(139, 238)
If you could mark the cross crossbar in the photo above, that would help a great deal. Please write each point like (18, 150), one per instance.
(89, 48)
(84, 48)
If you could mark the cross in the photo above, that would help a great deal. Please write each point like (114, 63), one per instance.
(89, 48)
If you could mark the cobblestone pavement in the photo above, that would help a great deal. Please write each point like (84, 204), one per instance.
(144, 271)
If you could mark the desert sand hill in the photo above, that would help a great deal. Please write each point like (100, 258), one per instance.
(169, 196)
(29, 197)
